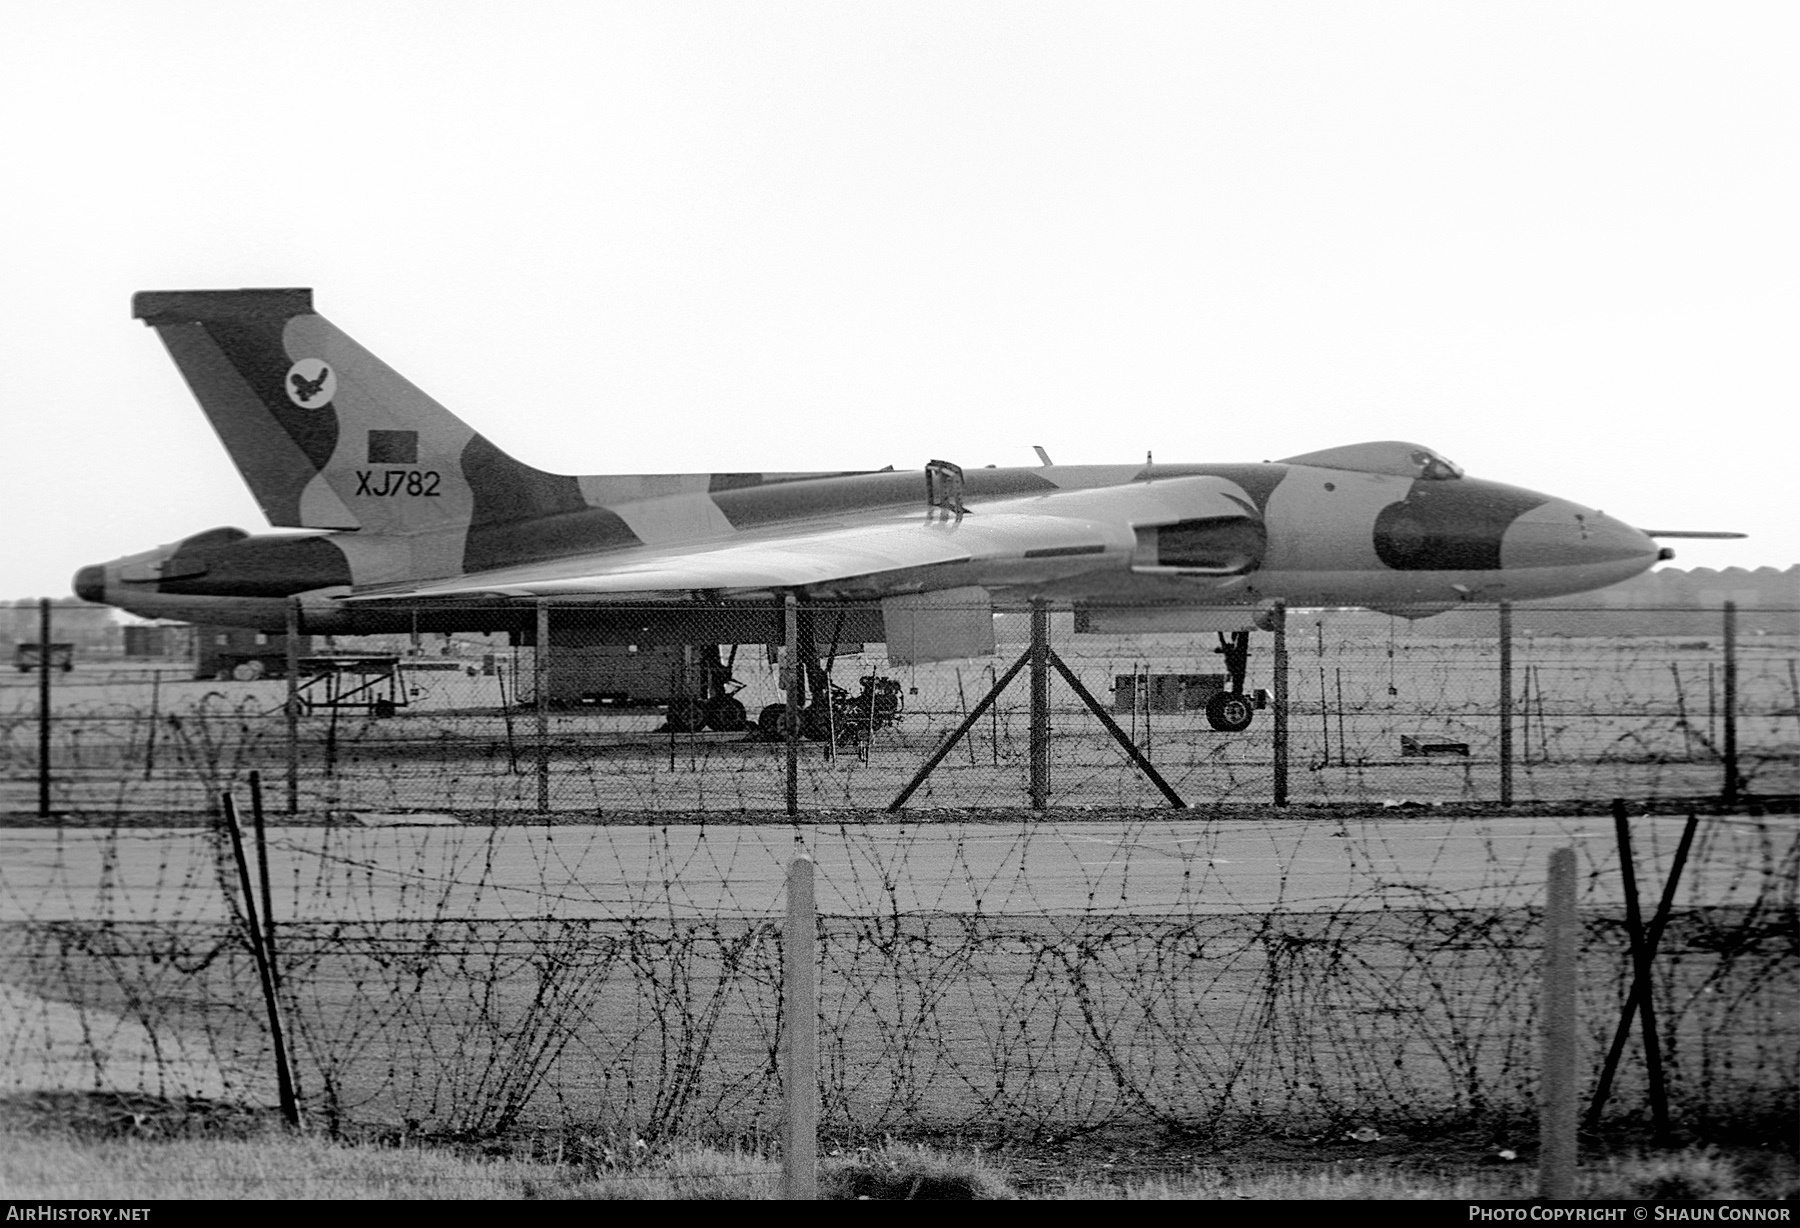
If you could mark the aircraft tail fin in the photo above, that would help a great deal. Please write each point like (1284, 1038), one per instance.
(325, 434)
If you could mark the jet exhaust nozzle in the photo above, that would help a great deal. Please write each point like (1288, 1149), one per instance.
(90, 584)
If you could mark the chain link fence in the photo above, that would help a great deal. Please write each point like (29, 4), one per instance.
(615, 717)
(534, 881)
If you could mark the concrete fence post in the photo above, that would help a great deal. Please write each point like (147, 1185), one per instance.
(1557, 1069)
(800, 1072)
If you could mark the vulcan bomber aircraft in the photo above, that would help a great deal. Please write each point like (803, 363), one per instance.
(404, 518)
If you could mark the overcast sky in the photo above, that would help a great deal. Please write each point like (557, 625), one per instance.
(1556, 242)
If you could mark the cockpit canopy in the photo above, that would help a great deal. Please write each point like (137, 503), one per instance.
(1390, 456)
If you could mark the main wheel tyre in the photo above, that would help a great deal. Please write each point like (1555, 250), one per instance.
(249, 671)
(1229, 713)
(815, 723)
(686, 716)
(769, 722)
(726, 715)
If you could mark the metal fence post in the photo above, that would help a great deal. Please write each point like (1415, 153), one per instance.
(1278, 624)
(540, 676)
(1506, 705)
(293, 706)
(284, 1072)
(150, 733)
(800, 1076)
(46, 658)
(1556, 1071)
(1730, 714)
(1040, 704)
(790, 721)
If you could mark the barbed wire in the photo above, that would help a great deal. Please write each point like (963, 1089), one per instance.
(587, 938)
(1041, 980)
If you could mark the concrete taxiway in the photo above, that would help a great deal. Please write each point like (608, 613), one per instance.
(675, 871)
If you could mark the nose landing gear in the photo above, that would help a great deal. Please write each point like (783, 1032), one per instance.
(716, 705)
(1229, 713)
(1232, 710)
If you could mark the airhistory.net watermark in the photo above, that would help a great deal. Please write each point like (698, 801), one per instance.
(53, 1213)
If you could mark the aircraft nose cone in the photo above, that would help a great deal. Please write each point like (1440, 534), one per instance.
(90, 583)
(1563, 534)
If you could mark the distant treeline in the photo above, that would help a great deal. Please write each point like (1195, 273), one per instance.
(1667, 602)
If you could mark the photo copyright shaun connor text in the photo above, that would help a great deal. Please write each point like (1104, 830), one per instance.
(1633, 1214)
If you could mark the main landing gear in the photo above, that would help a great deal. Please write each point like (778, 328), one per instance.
(717, 707)
(1231, 710)
(850, 719)
(828, 712)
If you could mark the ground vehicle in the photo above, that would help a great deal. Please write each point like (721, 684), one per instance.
(848, 720)
(27, 656)
(689, 682)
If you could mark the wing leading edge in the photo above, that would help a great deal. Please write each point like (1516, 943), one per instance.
(1012, 542)
(862, 561)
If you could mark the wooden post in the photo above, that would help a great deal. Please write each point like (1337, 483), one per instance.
(1337, 674)
(800, 1075)
(1731, 755)
(1324, 703)
(293, 706)
(1525, 717)
(1278, 622)
(540, 674)
(1712, 705)
(1040, 704)
(155, 715)
(1506, 705)
(1556, 1071)
(790, 721)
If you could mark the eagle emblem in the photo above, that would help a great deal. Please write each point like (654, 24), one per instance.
(311, 383)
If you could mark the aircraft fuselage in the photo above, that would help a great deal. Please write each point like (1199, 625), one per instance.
(1331, 537)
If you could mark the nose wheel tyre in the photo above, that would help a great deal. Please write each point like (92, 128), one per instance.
(1229, 713)
(816, 722)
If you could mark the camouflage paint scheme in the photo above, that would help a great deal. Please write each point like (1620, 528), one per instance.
(402, 504)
